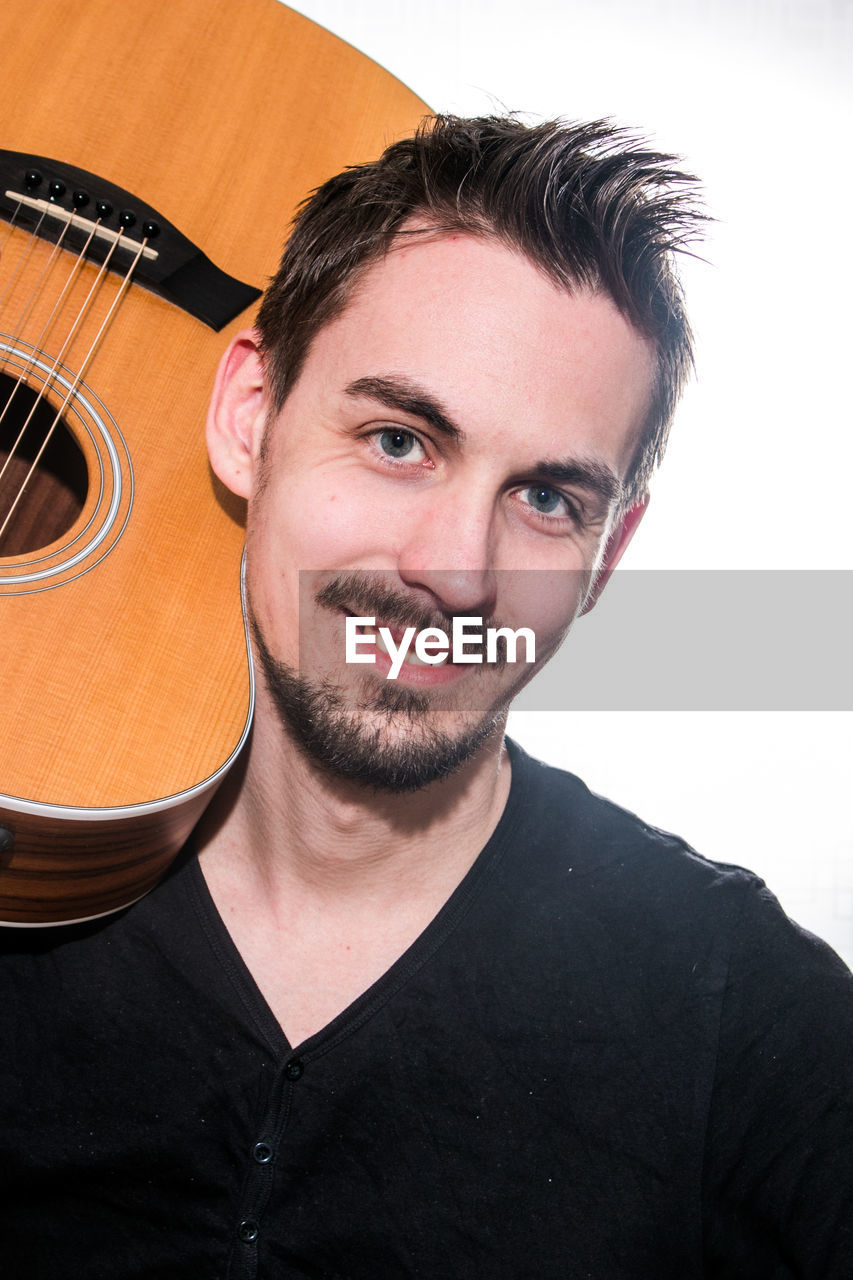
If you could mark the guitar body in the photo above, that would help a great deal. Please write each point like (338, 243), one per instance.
(126, 685)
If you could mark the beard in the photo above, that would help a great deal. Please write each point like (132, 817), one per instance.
(384, 736)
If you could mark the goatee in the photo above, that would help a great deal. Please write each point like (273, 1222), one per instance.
(349, 735)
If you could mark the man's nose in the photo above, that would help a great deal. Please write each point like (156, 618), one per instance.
(450, 554)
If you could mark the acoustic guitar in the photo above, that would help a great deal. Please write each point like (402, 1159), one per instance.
(154, 154)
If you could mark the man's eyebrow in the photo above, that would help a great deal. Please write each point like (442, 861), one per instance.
(590, 475)
(406, 396)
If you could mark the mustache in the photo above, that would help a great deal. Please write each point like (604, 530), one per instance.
(369, 595)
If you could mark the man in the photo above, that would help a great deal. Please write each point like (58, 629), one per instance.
(413, 1004)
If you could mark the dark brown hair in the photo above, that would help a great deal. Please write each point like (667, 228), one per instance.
(586, 203)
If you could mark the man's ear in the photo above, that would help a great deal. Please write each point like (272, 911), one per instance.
(614, 550)
(237, 414)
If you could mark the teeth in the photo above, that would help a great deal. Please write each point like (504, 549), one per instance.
(411, 659)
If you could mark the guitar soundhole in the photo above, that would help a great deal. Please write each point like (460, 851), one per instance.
(53, 498)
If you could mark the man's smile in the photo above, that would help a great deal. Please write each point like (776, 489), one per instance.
(410, 668)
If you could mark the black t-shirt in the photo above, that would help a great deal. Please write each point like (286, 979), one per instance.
(606, 1059)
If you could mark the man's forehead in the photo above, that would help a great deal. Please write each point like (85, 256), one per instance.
(496, 344)
(446, 278)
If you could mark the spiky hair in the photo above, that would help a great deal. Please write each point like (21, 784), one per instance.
(589, 204)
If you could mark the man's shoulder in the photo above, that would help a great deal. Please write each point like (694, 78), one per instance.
(104, 942)
(617, 876)
(605, 840)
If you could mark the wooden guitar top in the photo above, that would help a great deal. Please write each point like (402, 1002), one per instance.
(123, 661)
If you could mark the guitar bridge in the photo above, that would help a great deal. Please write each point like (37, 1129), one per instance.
(61, 200)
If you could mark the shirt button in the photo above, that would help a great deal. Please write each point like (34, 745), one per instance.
(262, 1152)
(248, 1230)
(294, 1069)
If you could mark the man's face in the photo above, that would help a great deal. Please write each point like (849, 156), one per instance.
(454, 445)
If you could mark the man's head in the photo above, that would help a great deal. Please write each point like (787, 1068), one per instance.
(585, 203)
(463, 372)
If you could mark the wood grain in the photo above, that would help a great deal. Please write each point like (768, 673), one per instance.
(128, 683)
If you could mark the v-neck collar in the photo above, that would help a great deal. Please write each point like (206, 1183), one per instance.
(419, 953)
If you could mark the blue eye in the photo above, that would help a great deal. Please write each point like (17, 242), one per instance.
(555, 510)
(396, 443)
(544, 499)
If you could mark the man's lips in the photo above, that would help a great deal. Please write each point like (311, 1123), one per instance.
(396, 634)
(412, 669)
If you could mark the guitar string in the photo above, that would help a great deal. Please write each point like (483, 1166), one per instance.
(78, 377)
(37, 345)
(39, 285)
(25, 253)
(15, 338)
(48, 380)
(10, 227)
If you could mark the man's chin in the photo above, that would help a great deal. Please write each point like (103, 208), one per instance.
(393, 758)
(387, 736)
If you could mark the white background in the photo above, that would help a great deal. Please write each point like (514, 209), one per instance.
(755, 97)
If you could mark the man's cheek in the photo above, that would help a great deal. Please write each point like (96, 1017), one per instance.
(545, 600)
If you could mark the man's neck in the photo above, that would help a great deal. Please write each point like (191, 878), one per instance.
(334, 880)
